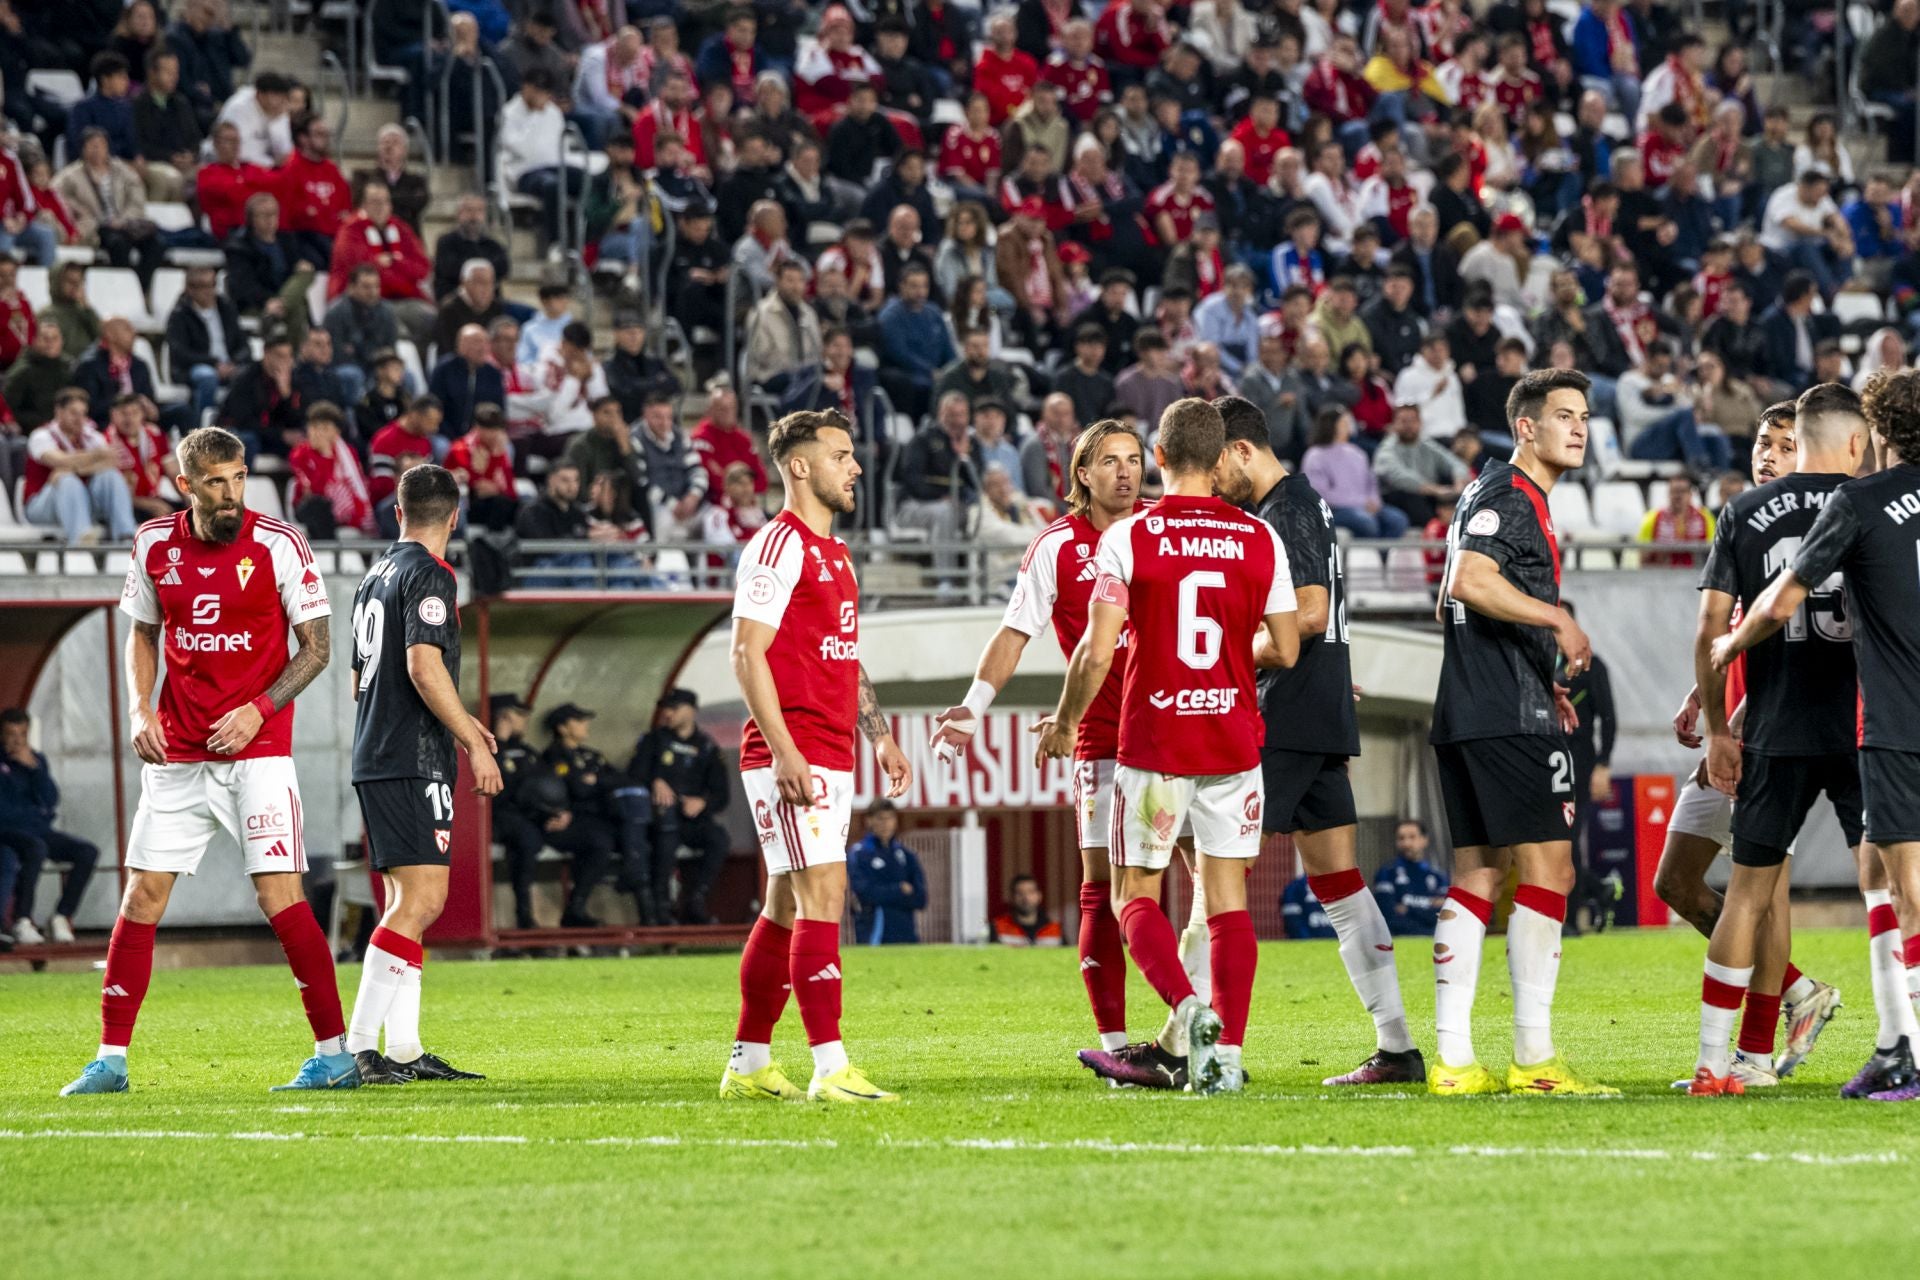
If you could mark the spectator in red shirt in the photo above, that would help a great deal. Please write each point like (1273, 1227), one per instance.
(1174, 204)
(825, 74)
(375, 236)
(482, 461)
(330, 491)
(142, 452)
(17, 324)
(1081, 73)
(1664, 145)
(401, 445)
(1131, 35)
(1261, 137)
(1004, 73)
(970, 153)
(314, 196)
(1335, 89)
(225, 183)
(722, 442)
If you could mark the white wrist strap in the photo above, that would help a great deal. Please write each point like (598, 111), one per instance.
(979, 698)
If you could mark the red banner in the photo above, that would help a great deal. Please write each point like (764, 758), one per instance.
(1653, 796)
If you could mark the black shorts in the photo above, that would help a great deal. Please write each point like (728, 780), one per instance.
(1305, 791)
(1507, 791)
(1890, 795)
(409, 822)
(1775, 795)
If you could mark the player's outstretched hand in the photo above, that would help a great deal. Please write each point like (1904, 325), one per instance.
(1723, 764)
(149, 739)
(953, 730)
(1563, 709)
(234, 730)
(1686, 722)
(1724, 653)
(486, 774)
(893, 763)
(1574, 646)
(1055, 740)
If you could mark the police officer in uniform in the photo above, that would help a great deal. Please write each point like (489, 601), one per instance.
(682, 769)
(518, 819)
(584, 827)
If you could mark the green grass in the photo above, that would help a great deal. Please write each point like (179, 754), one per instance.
(598, 1146)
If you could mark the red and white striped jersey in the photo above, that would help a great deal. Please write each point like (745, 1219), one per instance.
(1055, 585)
(223, 612)
(802, 585)
(1197, 577)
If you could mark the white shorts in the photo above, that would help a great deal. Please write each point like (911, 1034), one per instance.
(793, 839)
(1150, 808)
(1706, 812)
(1093, 802)
(256, 802)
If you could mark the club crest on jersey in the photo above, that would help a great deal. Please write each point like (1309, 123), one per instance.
(1566, 811)
(826, 574)
(173, 555)
(1155, 524)
(1485, 523)
(1082, 550)
(245, 570)
(206, 570)
(443, 837)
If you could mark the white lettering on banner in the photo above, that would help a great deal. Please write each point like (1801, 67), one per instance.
(997, 771)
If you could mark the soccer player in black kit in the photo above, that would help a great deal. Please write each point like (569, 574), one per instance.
(1312, 732)
(1869, 531)
(407, 718)
(1798, 739)
(1500, 737)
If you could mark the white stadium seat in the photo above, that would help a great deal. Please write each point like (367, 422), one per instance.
(64, 87)
(1572, 511)
(35, 286)
(115, 293)
(1618, 507)
(12, 562)
(169, 215)
(168, 284)
(1853, 308)
(263, 496)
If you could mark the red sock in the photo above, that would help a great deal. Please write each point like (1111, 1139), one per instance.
(1156, 949)
(1910, 951)
(1337, 885)
(763, 981)
(1234, 955)
(1103, 957)
(312, 964)
(1758, 1022)
(813, 963)
(1472, 903)
(398, 945)
(1793, 975)
(129, 971)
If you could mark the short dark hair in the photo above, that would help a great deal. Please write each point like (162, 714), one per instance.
(1529, 395)
(1509, 346)
(365, 268)
(18, 715)
(796, 429)
(206, 446)
(108, 63)
(1796, 286)
(1012, 884)
(1821, 402)
(600, 402)
(273, 82)
(1192, 436)
(538, 78)
(1089, 333)
(1412, 822)
(554, 289)
(1243, 421)
(326, 411)
(1146, 340)
(126, 398)
(1326, 424)
(489, 417)
(576, 334)
(428, 495)
(301, 122)
(421, 404)
(1781, 413)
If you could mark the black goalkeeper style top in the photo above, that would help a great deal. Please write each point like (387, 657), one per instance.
(1801, 682)
(1309, 706)
(1496, 678)
(407, 598)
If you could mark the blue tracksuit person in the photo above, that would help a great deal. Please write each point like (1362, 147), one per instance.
(1300, 912)
(1409, 889)
(887, 882)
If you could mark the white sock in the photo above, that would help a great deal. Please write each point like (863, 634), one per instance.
(1113, 1040)
(1366, 949)
(829, 1057)
(381, 976)
(1802, 987)
(114, 1051)
(1716, 1021)
(403, 1019)
(748, 1057)
(1228, 1054)
(1196, 946)
(1891, 1000)
(327, 1048)
(1533, 965)
(1457, 942)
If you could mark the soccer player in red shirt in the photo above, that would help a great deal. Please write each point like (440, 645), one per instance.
(1700, 829)
(1199, 578)
(216, 587)
(1055, 587)
(796, 654)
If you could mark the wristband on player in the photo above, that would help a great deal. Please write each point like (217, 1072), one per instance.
(264, 705)
(979, 697)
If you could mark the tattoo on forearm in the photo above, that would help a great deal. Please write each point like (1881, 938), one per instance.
(872, 723)
(308, 661)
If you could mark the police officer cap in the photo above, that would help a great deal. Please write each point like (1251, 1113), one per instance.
(564, 712)
(679, 698)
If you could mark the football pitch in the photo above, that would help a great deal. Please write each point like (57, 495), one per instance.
(598, 1145)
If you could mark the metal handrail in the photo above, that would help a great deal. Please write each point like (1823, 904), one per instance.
(486, 128)
(730, 340)
(417, 135)
(330, 64)
(657, 291)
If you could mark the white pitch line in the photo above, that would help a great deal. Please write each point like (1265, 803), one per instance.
(1084, 1146)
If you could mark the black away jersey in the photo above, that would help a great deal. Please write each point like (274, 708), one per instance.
(1496, 678)
(1801, 682)
(1309, 706)
(407, 598)
(1870, 532)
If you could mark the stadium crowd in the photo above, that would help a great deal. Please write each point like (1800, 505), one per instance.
(973, 231)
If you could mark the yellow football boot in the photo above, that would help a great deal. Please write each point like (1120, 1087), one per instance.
(1460, 1082)
(768, 1084)
(1554, 1076)
(847, 1085)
